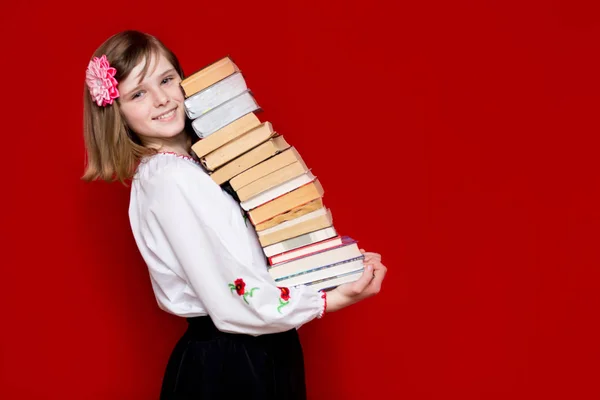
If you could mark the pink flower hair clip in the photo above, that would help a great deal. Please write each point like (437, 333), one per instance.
(100, 80)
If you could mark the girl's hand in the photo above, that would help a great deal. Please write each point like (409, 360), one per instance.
(368, 285)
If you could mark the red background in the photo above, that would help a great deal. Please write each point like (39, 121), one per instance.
(459, 139)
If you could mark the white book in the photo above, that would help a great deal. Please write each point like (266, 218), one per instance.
(215, 95)
(316, 262)
(306, 250)
(330, 271)
(277, 191)
(299, 241)
(224, 114)
(313, 214)
(334, 282)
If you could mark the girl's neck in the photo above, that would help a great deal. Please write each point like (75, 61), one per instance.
(181, 150)
(177, 145)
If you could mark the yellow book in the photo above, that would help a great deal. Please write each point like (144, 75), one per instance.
(291, 214)
(208, 76)
(282, 159)
(302, 195)
(305, 226)
(238, 146)
(247, 160)
(271, 180)
(226, 134)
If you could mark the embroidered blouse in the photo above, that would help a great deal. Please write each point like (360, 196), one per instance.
(203, 257)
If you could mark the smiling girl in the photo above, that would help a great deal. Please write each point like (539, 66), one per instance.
(205, 263)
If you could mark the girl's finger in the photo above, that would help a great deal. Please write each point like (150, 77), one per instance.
(361, 284)
(376, 255)
(377, 265)
(378, 275)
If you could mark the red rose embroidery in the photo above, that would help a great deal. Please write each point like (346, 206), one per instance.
(240, 287)
(285, 293)
(284, 298)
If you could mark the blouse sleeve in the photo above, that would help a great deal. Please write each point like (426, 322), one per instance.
(192, 228)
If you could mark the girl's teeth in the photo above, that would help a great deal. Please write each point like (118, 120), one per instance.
(167, 115)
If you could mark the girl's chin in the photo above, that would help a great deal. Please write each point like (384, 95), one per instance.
(171, 131)
(163, 135)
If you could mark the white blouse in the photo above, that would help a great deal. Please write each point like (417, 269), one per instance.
(203, 257)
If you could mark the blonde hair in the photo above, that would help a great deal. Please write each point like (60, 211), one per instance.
(112, 149)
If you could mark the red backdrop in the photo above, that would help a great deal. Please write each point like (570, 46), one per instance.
(458, 139)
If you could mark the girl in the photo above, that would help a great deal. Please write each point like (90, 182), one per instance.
(205, 264)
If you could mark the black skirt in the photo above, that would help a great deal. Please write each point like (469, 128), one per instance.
(209, 364)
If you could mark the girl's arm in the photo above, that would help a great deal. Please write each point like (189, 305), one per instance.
(196, 235)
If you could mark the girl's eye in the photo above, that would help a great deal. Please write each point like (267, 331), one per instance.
(137, 95)
(167, 80)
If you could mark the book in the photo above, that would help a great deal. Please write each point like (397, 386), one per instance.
(277, 191)
(319, 274)
(346, 251)
(272, 180)
(310, 222)
(296, 242)
(273, 185)
(317, 262)
(208, 75)
(247, 160)
(302, 195)
(275, 163)
(215, 95)
(224, 114)
(238, 146)
(333, 282)
(294, 213)
(226, 134)
(305, 250)
(313, 214)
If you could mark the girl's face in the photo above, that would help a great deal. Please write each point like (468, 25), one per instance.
(153, 108)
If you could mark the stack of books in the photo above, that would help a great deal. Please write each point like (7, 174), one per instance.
(278, 192)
